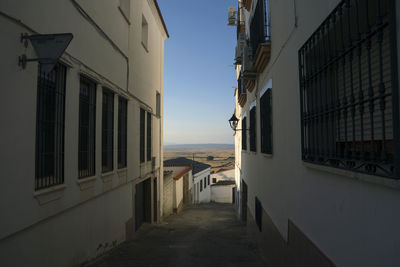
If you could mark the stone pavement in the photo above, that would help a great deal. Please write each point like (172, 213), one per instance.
(200, 235)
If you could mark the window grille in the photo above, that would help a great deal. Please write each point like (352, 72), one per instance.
(87, 128)
(149, 126)
(258, 211)
(50, 123)
(201, 185)
(108, 131)
(142, 134)
(260, 25)
(214, 180)
(205, 182)
(122, 131)
(158, 104)
(244, 134)
(266, 122)
(348, 90)
(253, 129)
(208, 180)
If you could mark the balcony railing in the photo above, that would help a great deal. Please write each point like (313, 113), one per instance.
(260, 35)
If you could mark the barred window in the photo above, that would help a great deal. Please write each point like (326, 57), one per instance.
(122, 131)
(149, 124)
(142, 134)
(158, 104)
(348, 89)
(209, 180)
(244, 134)
(201, 185)
(87, 128)
(260, 25)
(266, 121)
(108, 131)
(205, 182)
(253, 129)
(50, 123)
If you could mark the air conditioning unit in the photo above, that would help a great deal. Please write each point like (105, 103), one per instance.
(153, 163)
(231, 16)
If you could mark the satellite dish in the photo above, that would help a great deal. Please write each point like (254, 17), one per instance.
(231, 16)
(48, 48)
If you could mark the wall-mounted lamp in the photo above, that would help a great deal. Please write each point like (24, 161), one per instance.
(233, 121)
(48, 48)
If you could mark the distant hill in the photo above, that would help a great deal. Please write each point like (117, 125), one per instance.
(199, 146)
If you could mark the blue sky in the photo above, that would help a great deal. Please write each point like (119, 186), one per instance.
(199, 75)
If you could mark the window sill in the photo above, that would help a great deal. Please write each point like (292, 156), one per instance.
(391, 183)
(268, 156)
(47, 195)
(107, 177)
(86, 183)
(145, 47)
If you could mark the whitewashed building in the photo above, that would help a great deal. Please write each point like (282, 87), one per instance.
(317, 136)
(198, 187)
(83, 149)
(223, 189)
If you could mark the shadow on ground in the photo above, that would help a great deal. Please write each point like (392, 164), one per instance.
(201, 235)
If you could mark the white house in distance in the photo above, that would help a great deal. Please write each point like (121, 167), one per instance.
(317, 136)
(223, 188)
(83, 149)
(199, 186)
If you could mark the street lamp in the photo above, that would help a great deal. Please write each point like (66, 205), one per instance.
(233, 121)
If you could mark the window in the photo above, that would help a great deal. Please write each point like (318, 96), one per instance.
(158, 104)
(253, 129)
(142, 134)
(145, 33)
(266, 121)
(260, 25)
(258, 210)
(205, 182)
(244, 134)
(108, 131)
(349, 101)
(148, 136)
(214, 180)
(122, 131)
(87, 128)
(50, 127)
(201, 185)
(209, 180)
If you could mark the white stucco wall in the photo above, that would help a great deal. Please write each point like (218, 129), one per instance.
(225, 175)
(221, 193)
(353, 222)
(205, 195)
(178, 192)
(81, 215)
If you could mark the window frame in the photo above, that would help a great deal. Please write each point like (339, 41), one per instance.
(107, 131)
(142, 135)
(122, 132)
(266, 119)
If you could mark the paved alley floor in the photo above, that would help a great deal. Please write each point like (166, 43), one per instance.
(200, 235)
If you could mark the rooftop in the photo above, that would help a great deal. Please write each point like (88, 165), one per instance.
(197, 166)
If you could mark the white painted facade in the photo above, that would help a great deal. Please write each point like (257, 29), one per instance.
(202, 182)
(79, 219)
(350, 217)
(221, 193)
(223, 175)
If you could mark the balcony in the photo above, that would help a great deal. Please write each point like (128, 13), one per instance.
(260, 38)
(248, 72)
(242, 96)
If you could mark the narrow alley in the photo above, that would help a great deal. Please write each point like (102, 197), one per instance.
(201, 235)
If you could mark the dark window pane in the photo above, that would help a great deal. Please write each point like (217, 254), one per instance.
(50, 127)
(108, 131)
(253, 129)
(266, 122)
(142, 134)
(244, 134)
(122, 131)
(87, 128)
(149, 126)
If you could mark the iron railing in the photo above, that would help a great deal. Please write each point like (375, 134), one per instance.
(260, 31)
(87, 128)
(122, 131)
(349, 90)
(50, 123)
(253, 129)
(108, 131)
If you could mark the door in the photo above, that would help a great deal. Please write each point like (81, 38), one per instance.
(143, 203)
(155, 201)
